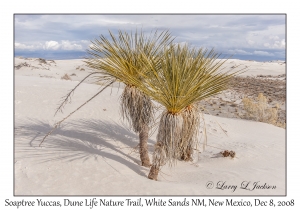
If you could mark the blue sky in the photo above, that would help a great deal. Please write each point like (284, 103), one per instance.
(254, 37)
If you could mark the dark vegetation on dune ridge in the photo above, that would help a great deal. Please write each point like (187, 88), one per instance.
(275, 89)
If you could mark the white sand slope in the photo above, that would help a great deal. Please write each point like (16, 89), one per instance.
(92, 153)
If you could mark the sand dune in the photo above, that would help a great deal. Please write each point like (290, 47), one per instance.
(93, 152)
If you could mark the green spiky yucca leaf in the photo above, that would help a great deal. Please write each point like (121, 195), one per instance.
(185, 76)
(120, 57)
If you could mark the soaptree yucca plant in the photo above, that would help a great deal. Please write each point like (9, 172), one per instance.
(183, 77)
(120, 58)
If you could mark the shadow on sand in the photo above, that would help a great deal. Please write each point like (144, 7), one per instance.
(78, 140)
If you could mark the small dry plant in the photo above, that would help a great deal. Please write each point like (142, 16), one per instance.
(66, 77)
(227, 153)
(260, 110)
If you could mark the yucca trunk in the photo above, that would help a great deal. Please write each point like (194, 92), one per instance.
(138, 109)
(168, 138)
(176, 138)
(143, 136)
(191, 124)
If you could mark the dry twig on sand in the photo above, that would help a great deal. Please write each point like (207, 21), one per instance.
(58, 123)
(67, 98)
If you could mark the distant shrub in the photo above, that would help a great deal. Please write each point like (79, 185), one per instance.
(259, 110)
(66, 77)
(80, 68)
(41, 60)
(21, 65)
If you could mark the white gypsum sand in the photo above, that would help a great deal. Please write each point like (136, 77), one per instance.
(92, 153)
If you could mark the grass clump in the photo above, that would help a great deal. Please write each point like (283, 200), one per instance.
(66, 77)
(259, 110)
